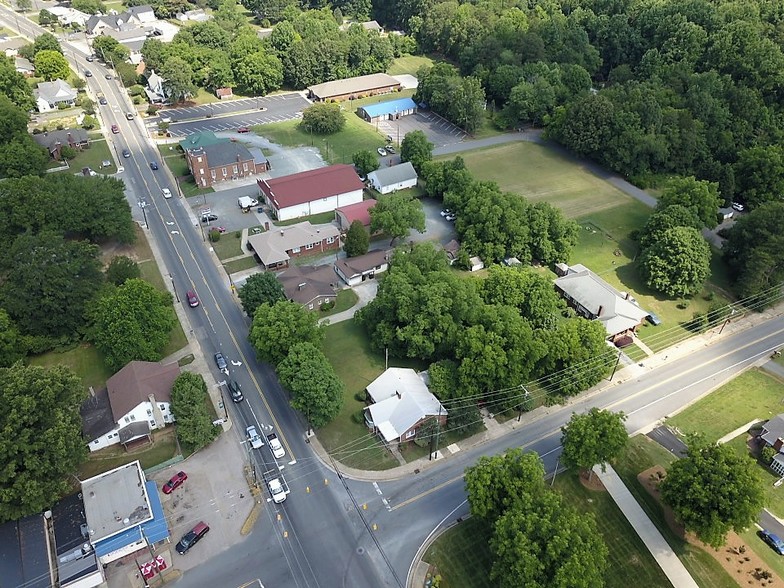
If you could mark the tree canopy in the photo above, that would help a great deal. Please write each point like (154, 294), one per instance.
(42, 440)
(258, 289)
(592, 438)
(701, 198)
(121, 269)
(417, 149)
(713, 490)
(357, 240)
(323, 118)
(194, 422)
(278, 327)
(132, 322)
(678, 263)
(396, 214)
(316, 390)
(365, 161)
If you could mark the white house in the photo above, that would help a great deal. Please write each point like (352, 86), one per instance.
(355, 270)
(155, 90)
(50, 95)
(401, 402)
(66, 15)
(136, 400)
(312, 192)
(391, 179)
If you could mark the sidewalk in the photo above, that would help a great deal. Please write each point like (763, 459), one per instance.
(659, 548)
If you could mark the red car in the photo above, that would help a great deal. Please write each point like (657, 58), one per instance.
(115, 129)
(193, 300)
(175, 482)
(243, 130)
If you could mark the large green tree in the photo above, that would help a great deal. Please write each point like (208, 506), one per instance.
(132, 322)
(698, 196)
(14, 86)
(546, 543)
(528, 291)
(49, 283)
(396, 214)
(754, 251)
(42, 440)
(759, 174)
(121, 269)
(365, 161)
(51, 65)
(178, 76)
(595, 437)
(188, 404)
(662, 219)
(323, 118)
(496, 484)
(316, 390)
(714, 490)
(416, 149)
(258, 73)
(678, 263)
(258, 289)
(357, 239)
(278, 327)
(12, 347)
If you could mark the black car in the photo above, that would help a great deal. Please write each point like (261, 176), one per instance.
(90, 58)
(126, 153)
(192, 537)
(88, 73)
(153, 166)
(208, 218)
(220, 361)
(108, 76)
(236, 391)
(103, 101)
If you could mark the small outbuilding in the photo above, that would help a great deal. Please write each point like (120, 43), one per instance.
(345, 215)
(393, 178)
(355, 270)
(389, 110)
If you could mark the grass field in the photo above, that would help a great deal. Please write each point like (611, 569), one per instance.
(463, 558)
(239, 265)
(641, 454)
(230, 245)
(85, 361)
(317, 219)
(164, 446)
(347, 440)
(345, 300)
(408, 64)
(752, 395)
(92, 158)
(538, 173)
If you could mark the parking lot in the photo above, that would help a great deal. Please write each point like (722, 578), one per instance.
(439, 131)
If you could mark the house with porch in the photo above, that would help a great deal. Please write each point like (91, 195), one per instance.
(401, 402)
(772, 435)
(50, 95)
(355, 270)
(136, 401)
(276, 247)
(54, 141)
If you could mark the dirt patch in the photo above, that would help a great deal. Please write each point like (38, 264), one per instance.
(740, 561)
(591, 481)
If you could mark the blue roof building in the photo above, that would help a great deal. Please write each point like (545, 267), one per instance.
(389, 110)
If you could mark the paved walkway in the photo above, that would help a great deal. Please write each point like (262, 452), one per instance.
(366, 292)
(650, 535)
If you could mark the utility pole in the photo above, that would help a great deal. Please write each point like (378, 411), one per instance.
(615, 367)
(438, 433)
(174, 288)
(522, 402)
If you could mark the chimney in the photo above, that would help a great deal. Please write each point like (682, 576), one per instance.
(626, 297)
(399, 395)
(599, 312)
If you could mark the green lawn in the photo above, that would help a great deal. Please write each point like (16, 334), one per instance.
(92, 158)
(774, 496)
(337, 148)
(463, 558)
(752, 395)
(641, 454)
(317, 219)
(345, 300)
(762, 549)
(164, 446)
(239, 265)
(348, 441)
(230, 245)
(408, 64)
(85, 361)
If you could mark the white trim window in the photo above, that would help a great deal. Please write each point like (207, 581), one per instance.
(309, 246)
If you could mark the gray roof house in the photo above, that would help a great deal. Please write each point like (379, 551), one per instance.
(396, 177)
(53, 141)
(595, 299)
(276, 247)
(24, 66)
(311, 286)
(50, 95)
(401, 402)
(773, 435)
(155, 90)
(355, 270)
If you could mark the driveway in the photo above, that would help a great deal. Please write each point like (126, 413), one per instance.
(439, 131)
(667, 438)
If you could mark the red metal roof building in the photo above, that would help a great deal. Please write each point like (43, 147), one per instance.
(312, 192)
(345, 215)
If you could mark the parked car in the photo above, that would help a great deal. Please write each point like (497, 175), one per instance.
(738, 206)
(129, 115)
(209, 217)
(90, 58)
(253, 437)
(773, 540)
(125, 153)
(88, 73)
(192, 537)
(236, 391)
(175, 482)
(381, 151)
(220, 361)
(451, 217)
(219, 229)
(243, 130)
(115, 129)
(653, 319)
(275, 446)
(165, 191)
(103, 101)
(389, 149)
(154, 167)
(445, 212)
(193, 300)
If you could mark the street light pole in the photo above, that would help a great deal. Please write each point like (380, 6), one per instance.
(171, 277)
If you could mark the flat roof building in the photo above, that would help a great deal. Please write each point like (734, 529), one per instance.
(354, 88)
(388, 110)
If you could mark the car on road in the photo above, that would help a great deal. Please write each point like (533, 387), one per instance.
(279, 489)
(253, 437)
(125, 153)
(243, 130)
(236, 391)
(166, 192)
(108, 76)
(103, 101)
(193, 300)
(209, 217)
(192, 537)
(738, 206)
(381, 151)
(275, 446)
(88, 73)
(115, 129)
(154, 167)
(129, 115)
(220, 361)
(175, 482)
(773, 540)
(90, 58)
(389, 149)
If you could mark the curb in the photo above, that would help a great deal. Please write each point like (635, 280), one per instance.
(255, 512)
